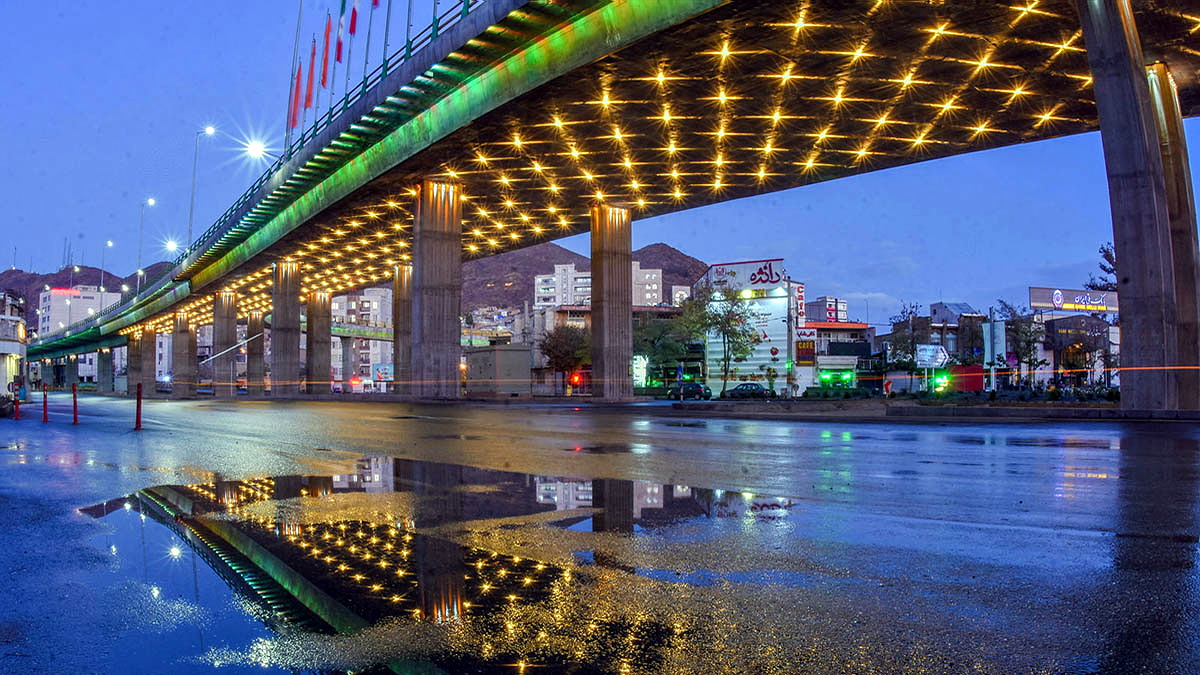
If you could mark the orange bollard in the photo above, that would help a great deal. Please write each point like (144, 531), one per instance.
(45, 406)
(137, 423)
(74, 403)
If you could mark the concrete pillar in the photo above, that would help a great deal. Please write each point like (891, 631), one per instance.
(71, 370)
(1181, 207)
(349, 363)
(285, 330)
(1138, 200)
(255, 344)
(319, 342)
(437, 290)
(133, 363)
(224, 338)
(612, 304)
(149, 377)
(183, 358)
(402, 318)
(104, 371)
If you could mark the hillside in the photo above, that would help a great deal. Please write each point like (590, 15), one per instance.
(506, 280)
(29, 285)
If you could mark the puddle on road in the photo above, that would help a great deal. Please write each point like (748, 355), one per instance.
(407, 565)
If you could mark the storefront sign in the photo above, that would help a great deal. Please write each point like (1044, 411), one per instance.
(1073, 300)
(752, 274)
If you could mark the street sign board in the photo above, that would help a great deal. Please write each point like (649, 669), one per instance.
(932, 356)
(1073, 300)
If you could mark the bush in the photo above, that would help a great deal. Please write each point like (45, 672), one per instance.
(1055, 394)
(992, 395)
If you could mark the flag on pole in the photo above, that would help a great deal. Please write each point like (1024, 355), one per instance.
(325, 51)
(312, 67)
(295, 122)
(374, 4)
(341, 30)
(354, 18)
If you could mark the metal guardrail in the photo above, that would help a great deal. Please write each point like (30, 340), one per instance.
(458, 11)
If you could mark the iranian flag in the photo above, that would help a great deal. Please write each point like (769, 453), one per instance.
(325, 51)
(341, 30)
(354, 18)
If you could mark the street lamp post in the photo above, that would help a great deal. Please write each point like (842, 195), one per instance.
(207, 131)
(107, 245)
(141, 222)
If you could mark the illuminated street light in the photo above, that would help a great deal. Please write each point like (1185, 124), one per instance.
(171, 246)
(141, 222)
(258, 150)
(107, 245)
(206, 131)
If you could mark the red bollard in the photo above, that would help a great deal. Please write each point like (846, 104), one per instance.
(74, 403)
(45, 406)
(137, 424)
(17, 407)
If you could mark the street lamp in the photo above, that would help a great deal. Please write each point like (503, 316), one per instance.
(141, 222)
(206, 131)
(107, 245)
(258, 150)
(171, 246)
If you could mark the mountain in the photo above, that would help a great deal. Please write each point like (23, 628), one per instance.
(679, 268)
(29, 285)
(506, 280)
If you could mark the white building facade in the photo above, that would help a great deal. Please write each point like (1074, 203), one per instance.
(568, 286)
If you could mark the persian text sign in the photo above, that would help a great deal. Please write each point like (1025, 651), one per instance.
(1072, 300)
(754, 274)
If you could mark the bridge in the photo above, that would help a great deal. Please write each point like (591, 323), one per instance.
(508, 123)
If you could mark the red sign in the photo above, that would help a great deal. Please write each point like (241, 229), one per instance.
(64, 291)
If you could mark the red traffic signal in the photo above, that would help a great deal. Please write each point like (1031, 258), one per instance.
(576, 378)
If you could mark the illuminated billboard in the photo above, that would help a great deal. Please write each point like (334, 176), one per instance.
(1072, 300)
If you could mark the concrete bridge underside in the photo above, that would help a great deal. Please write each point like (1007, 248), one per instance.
(536, 112)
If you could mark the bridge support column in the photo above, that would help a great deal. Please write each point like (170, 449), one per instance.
(612, 303)
(224, 338)
(1181, 207)
(104, 371)
(133, 363)
(71, 370)
(1138, 199)
(319, 342)
(285, 330)
(149, 370)
(254, 354)
(402, 318)
(349, 363)
(183, 358)
(437, 290)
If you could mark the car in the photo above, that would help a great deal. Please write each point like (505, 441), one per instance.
(749, 390)
(691, 390)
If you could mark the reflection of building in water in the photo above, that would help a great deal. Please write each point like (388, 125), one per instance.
(572, 493)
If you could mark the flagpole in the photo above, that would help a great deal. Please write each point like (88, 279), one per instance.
(350, 47)
(287, 135)
(387, 27)
(367, 49)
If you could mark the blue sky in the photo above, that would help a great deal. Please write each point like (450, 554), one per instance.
(104, 100)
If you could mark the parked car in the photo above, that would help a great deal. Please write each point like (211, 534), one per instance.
(691, 390)
(749, 390)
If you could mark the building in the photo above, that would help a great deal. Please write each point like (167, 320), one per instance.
(779, 318)
(826, 308)
(369, 307)
(497, 370)
(567, 286)
(61, 307)
(13, 339)
(955, 326)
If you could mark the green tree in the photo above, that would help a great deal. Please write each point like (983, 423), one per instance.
(566, 348)
(662, 341)
(1025, 334)
(903, 352)
(721, 314)
(1107, 281)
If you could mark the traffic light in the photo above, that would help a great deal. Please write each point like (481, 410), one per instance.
(576, 379)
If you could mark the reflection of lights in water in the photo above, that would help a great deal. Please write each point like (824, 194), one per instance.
(128, 506)
(154, 592)
(113, 549)
(175, 552)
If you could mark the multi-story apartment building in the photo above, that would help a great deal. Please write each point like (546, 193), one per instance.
(60, 307)
(568, 286)
(371, 306)
(826, 308)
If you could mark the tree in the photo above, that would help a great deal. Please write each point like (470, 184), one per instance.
(724, 314)
(662, 341)
(1107, 281)
(903, 352)
(566, 348)
(1026, 335)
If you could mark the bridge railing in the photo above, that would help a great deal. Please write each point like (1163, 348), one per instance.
(456, 12)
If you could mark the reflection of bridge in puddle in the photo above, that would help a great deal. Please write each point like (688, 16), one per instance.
(539, 570)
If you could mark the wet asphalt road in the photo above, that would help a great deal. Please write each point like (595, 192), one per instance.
(1042, 548)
